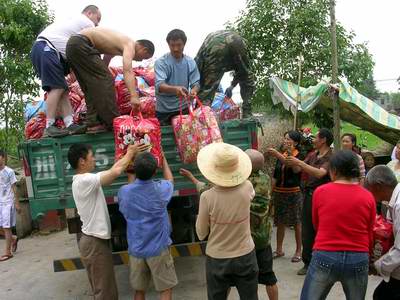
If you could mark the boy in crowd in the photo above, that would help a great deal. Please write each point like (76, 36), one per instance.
(9, 204)
(92, 209)
(143, 203)
(260, 219)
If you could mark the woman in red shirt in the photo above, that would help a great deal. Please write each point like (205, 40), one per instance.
(343, 215)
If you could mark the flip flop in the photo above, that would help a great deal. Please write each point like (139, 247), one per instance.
(5, 257)
(296, 259)
(277, 254)
(14, 245)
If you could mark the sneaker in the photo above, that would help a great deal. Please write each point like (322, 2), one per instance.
(76, 129)
(96, 129)
(302, 271)
(54, 131)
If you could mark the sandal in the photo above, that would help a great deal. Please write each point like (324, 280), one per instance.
(277, 254)
(6, 257)
(296, 259)
(14, 245)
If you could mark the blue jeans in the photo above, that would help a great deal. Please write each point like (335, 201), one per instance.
(327, 268)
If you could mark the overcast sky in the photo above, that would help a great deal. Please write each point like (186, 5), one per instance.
(375, 22)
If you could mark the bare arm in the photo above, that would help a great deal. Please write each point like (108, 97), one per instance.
(16, 198)
(180, 91)
(107, 177)
(315, 172)
(129, 77)
(282, 159)
(167, 174)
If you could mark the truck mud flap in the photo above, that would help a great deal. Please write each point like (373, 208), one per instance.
(122, 258)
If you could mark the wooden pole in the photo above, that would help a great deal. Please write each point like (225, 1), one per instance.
(298, 96)
(335, 102)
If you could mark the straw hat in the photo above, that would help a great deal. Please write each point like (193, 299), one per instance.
(224, 164)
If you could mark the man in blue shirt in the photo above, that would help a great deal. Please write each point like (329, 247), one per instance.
(143, 203)
(177, 76)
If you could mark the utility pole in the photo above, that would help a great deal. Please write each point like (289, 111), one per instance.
(335, 100)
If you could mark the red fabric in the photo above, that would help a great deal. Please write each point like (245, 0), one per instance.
(115, 71)
(35, 127)
(129, 129)
(148, 107)
(123, 97)
(383, 238)
(148, 75)
(233, 112)
(80, 113)
(194, 131)
(343, 217)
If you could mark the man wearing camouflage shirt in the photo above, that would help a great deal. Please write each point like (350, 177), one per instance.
(223, 51)
(260, 219)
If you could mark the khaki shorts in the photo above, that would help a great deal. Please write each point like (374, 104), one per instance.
(161, 268)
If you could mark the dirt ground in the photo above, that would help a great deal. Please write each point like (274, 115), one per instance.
(29, 275)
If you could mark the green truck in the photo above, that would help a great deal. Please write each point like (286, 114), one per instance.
(49, 177)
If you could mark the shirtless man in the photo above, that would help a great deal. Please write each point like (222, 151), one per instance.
(83, 54)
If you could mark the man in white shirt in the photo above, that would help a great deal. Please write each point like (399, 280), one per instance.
(92, 209)
(9, 204)
(49, 60)
(382, 183)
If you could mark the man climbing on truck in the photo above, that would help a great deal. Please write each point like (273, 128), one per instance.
(83, 54)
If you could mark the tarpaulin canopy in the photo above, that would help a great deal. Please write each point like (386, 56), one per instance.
(354, 107)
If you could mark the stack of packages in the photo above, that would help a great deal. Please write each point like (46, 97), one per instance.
(225, 108)
(36, 118)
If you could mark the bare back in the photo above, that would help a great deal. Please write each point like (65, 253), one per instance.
(107, 41)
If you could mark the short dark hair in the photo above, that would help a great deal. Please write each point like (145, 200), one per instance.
(294, 135)
(345, 163)
(91, 8)
(145, 166)
(148, 45)
(2, 153)
(76, 152)
(325, 133)
(176, 34)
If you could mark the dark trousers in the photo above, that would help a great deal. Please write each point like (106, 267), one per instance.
(307, 230)
(166, 118)
(222, 273)
(94, 79)
(387, 290)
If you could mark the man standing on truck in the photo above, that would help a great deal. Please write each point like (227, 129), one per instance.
(83, 54)
(50, 62)
(223, 51)
(9, 204)
(177, 77)
(92, 209)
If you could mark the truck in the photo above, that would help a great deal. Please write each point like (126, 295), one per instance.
(49, 178)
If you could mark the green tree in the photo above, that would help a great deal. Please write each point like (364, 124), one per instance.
(278, 31)
(20, 23)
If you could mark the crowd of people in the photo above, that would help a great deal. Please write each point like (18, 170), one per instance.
(328, 198)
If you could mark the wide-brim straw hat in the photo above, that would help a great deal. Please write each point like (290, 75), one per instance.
(224, 164)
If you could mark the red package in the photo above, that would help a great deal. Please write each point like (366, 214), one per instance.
(35, 127)
(148, 107)
(134, 129)
(148, 75)
(194, 131)
(122, 97)
(115, 71)
(383, 237)
(232, 112)
(80, 113)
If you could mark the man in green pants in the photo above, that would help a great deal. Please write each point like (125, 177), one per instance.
(223, 51)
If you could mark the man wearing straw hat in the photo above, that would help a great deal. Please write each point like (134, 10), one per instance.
(224, 216)
(260, 219)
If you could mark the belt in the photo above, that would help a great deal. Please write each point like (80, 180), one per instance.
(286, 189)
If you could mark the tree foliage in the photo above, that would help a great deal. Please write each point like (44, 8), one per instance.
(279, 31)
(20, 23)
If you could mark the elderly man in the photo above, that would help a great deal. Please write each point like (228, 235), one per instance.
(83, 53)
(382, 183)
(50, 63)
(177, 77)
(223, 51)
(316, 166)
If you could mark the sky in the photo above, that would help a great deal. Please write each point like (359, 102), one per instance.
(374, 22)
